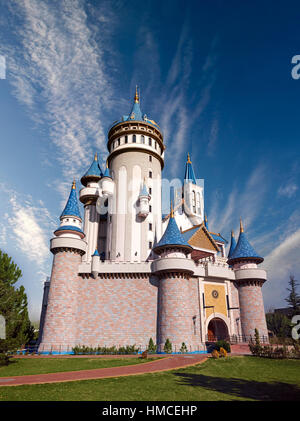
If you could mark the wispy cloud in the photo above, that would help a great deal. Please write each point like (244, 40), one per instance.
(214, 131)
(288, 190)
(57, 68)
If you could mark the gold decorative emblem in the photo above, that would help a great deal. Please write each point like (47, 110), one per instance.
(215, 293)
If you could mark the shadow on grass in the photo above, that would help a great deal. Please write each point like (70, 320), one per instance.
(248, 389)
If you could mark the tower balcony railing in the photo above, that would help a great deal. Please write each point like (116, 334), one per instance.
(214, 260)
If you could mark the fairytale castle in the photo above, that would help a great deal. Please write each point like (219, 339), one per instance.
(125, 272)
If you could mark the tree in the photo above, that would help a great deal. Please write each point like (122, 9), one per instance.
(168, 346)
(151, 346)
(13, 306)
(278, 324)
(293, 298)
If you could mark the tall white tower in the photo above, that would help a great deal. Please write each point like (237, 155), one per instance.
(135, 162)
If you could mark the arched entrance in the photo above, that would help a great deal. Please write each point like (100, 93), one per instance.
(217, 330)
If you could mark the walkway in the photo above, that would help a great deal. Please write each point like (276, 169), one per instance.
(164, 364)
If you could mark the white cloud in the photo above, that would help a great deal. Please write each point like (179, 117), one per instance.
(288, 190)
(58, 70)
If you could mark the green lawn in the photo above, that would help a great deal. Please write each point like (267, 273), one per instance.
(234, 378)
(23, 366)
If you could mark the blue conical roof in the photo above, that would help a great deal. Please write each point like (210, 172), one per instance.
(107, 172)
(189, 175)
(93, 173)
(72, 208)
(232, 245)
(172, 237)
(243, 250)
(96, 253)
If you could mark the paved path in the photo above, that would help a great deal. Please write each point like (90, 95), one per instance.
(163, 364)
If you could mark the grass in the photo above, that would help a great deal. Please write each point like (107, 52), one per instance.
(233, 378)
(24, 366)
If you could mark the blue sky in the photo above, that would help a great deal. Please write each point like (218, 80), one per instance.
(216, 76)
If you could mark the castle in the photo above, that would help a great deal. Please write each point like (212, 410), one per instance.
(126, 273)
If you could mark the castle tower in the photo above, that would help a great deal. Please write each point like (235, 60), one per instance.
(173, 268)
(193, 195)
(136, 153)
(249, 281)
(67, 246)
(88, 196)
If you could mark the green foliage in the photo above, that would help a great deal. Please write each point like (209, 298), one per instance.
(13, 306)
(183, 348)
(222, 344)
(113, 350)
(4, 359)
(168, 347)
(279, 325)
(151, 347)
(293, 299)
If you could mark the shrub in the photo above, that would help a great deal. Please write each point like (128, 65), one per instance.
(215, 354)
(151, 347)
(223, 344)
(168, 347)
(223, 352)
(4, 359)
(183, 348)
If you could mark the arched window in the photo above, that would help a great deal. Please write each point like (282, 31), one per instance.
(194, 201)
(134, 138)
(150, 141)
(142, 139)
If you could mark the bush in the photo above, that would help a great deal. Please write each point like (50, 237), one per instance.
(145, 354)
(113, 350)
(168, 347)
(4, 359)
(183, 348)
(223, 344)
(223, 352)
(215, 354)
(151, 347)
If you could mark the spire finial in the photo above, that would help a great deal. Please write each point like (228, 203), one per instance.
(172, 210)
(241, 225)
(232, 233)
(205, 217)
(136, 98)
(96, 157)
(189, 159)
(74, 184)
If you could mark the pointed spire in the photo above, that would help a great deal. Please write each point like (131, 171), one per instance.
(241, 225)
(206, 222)
(107, 172)
(94, 173)
(136, 97)
(189, 176)
(172, 210)
(144, 190)
(72, 208)
(243, 250)
(232, 245)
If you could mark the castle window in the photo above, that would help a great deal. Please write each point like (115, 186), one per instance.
(194, 201)
(119, 142)
(150, 190)
(134, 138)
(150, 158)
(150, 208)
(194, 325)
(150, 174)
(126, 139)
(150, 227)
(150, 244)
(150, 141)
(143, 139)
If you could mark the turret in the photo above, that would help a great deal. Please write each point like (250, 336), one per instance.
(70, 225)
(144, 199)
(232, 245)
(174, 267)
(193, 195)
(107, 184)
(136, 153)
(68, 247)
(88, 196)
(249, 280)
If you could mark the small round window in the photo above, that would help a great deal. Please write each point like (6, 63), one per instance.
(215, 293)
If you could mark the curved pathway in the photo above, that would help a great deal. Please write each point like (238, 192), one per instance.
(163, 364)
